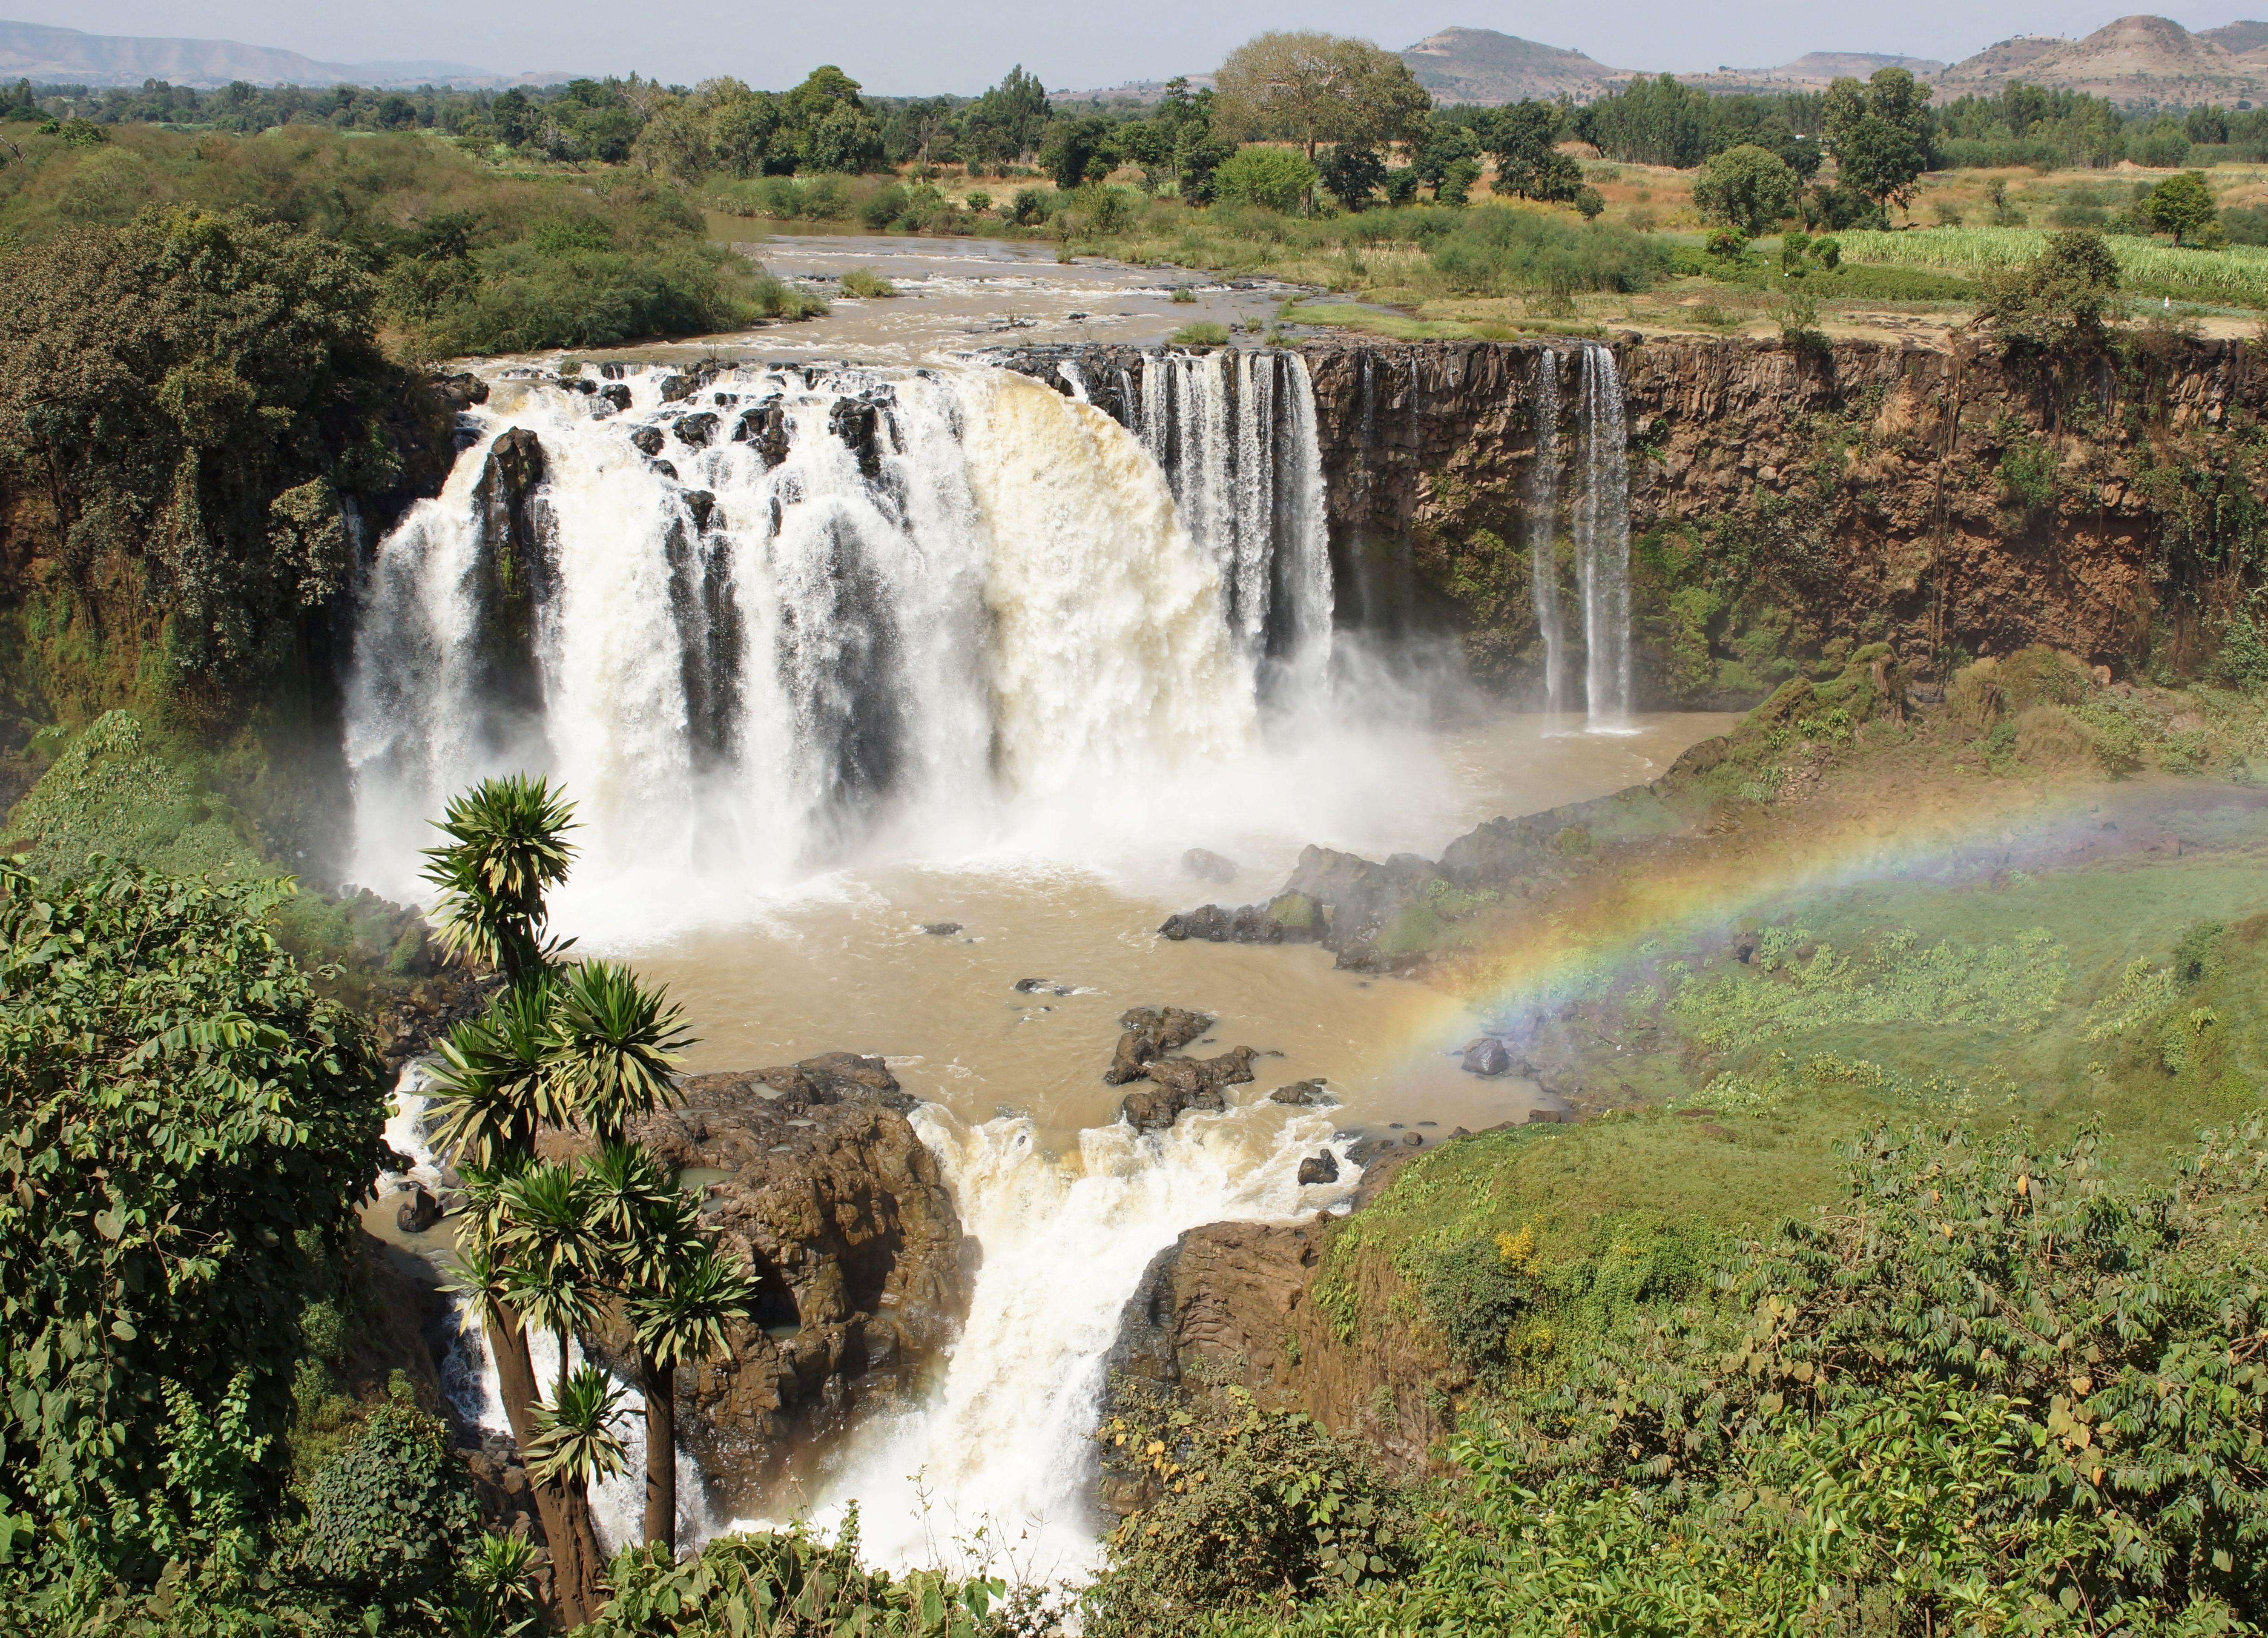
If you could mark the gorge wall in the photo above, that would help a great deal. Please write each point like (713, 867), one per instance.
(1783, 500)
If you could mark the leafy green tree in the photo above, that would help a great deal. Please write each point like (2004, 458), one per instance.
(1077, 151)
(507, 849)
(1277, 178)
(1313, 88)
(1522, 138)
(186, 1128)
(1748, 188)
(1442, 144)
(2182, 205)
(1007, 121)
(826, 126)
(386, 1516)
(1353, 174)
(677, 1319)
(2058, 302)
(1879, 133)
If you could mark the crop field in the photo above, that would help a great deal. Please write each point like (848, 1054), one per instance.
(2238, 275)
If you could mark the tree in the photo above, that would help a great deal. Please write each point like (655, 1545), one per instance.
(826, 126)
(1277, 178)
(1879, 133)
(2057, 303)
(184, 1127)
(679, 1321)
(1313, 88)
(1006, 121)
(1748, 188)
(1073, 149)
(1443, 146)
(1522, 136)
(2182, 205)
(1353, 174)
(507, 849)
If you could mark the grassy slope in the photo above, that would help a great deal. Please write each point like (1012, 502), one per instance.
(2027, 976)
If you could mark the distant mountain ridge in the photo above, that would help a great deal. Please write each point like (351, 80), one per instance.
(2137, 62)
(1482, 65)
(39, 51)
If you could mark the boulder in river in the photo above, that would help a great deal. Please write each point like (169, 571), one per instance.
(420, 1212)
(1319, 1168)
(1487, 1056)
(1150, 1032)
(1208, 866)
(646, 440)
(697, 431)
(1179, 1083)
(938, 929)
(1304, 1094)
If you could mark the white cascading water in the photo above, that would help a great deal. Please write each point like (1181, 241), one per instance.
(1001, 1444)
(1543, 505)
(1235, 432)
(1603, 542)
(742, 667)
(790, 641)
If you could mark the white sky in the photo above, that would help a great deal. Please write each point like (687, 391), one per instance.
(897, 48)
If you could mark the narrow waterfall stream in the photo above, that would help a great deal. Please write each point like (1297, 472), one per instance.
(825, 655)
(1542, 500)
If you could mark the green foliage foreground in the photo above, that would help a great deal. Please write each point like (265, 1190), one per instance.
(1991, 1391)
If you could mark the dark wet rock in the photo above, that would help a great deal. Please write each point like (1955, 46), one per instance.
(842, 1215)
(1319, 1168)
(1550, 1110)
(418, 1213)
(1150, 1033)
(766, 427)
(646, 440)
(676, 386)
(702, 504)
(940, 930)
(1034, 985)
(578, 384)
(1304, 1094)
(858, 422)
(616, 393)
(1179, 1083)
(697, 431)
(1288, 918)
(613, 372)
(461, 391)
(667, 469)
(1413, 1139)
(1208, 866)
(1487, 1056)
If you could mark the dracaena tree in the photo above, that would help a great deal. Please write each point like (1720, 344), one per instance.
(566, 1247)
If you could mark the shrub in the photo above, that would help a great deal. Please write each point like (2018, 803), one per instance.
(2039, 675)
(1974, 696)
(1277, 178)
(1199, 335)
(1251, 1505)
(864, 283)
(1496, 251)
(384, 1516)
(2047, 738)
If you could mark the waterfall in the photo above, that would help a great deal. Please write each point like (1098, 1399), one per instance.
(1544, 524)
(1001, 1441)
(1602, 541)
(764, 614)
(1235, 432)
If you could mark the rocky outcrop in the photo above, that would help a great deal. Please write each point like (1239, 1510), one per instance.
(1179, 1083)
(863, 1269)
(1149, 1033)
(1235, 1302)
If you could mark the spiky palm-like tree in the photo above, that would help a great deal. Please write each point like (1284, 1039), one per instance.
(679, 1320)
(572, 1446)
(507, 848)
(493, 1089)
(556, 1272)
(615, 1050)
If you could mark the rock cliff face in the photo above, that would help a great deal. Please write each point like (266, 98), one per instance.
(1783, 502)
(1236, 1303)
(846, 1220)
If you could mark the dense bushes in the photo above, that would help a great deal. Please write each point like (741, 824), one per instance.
(1991, 1389)
(1496, 251)
(388, 1515)
(186, 1128)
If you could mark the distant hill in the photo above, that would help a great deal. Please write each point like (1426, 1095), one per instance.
(2137, 62)
(1814, 71)
(36, 51)
(1481, 65)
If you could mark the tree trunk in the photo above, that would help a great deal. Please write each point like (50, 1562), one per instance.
(660, 1383)
(565, 1526)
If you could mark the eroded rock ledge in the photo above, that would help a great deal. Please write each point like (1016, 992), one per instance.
(845, 1218)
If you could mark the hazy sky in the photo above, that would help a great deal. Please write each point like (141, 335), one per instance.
(897, 48)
